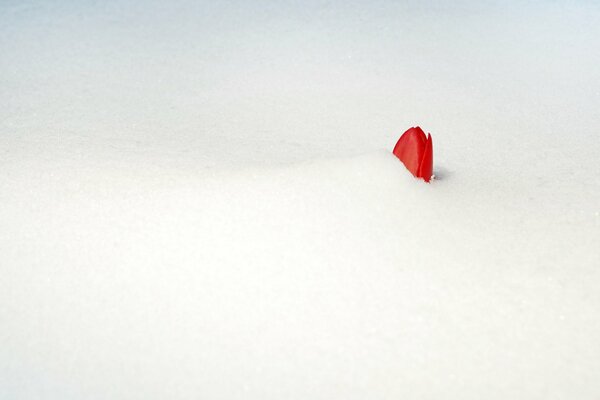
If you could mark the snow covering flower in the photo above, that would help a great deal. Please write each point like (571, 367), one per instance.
(415, 150)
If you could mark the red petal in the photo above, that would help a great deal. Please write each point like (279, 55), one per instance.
(411, 148)
(426, 169)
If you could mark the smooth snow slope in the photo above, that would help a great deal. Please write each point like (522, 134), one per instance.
(198, 200)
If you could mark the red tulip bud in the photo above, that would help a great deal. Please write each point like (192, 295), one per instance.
(415, 150)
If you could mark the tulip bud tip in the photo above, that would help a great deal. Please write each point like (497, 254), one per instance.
(415, 150)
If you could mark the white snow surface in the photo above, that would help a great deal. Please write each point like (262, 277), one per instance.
(198, 200)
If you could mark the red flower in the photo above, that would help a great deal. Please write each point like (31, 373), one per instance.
(416, 152)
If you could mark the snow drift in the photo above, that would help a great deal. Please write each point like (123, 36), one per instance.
(343, 278)
(198, 200)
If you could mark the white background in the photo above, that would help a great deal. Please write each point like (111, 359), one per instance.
(197, 200)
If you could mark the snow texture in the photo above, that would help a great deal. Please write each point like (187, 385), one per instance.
(199, 200)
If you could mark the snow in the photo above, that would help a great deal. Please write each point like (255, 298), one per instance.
(199, 200)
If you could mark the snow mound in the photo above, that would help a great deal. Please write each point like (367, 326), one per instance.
(341, 278)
